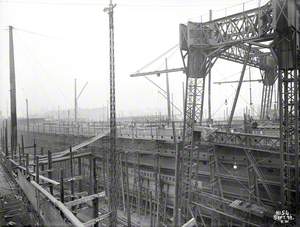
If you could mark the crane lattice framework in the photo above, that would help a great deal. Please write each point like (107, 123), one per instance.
(238, 38)
(113, 153)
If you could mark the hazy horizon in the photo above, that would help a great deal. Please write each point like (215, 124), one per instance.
(58, 41)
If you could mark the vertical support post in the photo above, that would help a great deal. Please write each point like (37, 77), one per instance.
(96, 200)
(23, 147)
(6, 139)
(72, 174)
(157, 187)
(127, 192)
(80, 174)
(151, 210)
(62, 192)
(91, 165)
(27, 116)
(27, 164)
(147, 197)
(34, 155)
(166, 202)
(20, 158)
(139, 185)
(122, 182)
(2, 139)
(37, 170)
(42, 154)
(13, 99)
(75, 104)
(177, 178)
(183, 97)
(50, 170)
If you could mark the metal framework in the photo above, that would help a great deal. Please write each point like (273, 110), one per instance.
(113, 154)
(287, 51)
(230, 36)
(235, 38)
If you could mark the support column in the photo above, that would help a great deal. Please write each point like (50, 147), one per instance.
(13, 99)
(50, 171)
(95, 190)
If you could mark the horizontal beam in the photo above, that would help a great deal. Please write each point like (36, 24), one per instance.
(190, 223)
(95, 220)
(65, 158)
(46, 179)
(84, 199)
(158, 72)
(225, 214)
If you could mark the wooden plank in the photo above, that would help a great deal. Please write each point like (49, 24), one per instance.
(60, 159)
(84, 193)
(78, 146)
(73, 178)
(47, 171)
(46, 179)
(95, 220)
(85, 199)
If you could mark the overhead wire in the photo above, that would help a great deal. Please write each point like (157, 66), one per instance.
(34, 33)
(33, 56)
(157, 58)
(104, 3)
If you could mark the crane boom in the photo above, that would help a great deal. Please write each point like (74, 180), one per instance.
(236, 81)
(158, 72)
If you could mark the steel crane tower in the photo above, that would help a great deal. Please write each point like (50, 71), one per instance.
(201, 44)
(113, 154)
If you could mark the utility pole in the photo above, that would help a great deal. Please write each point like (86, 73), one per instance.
(13, 99)
(113, 155)
(58, 114)
(183, 97)
(27, 115)
(172, 109)
(75, 104)
(168, 92)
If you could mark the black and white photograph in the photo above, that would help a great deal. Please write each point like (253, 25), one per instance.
(149, 113)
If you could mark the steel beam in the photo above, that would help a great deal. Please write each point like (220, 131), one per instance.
(238, 88)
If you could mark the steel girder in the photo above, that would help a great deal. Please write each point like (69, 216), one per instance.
(286, 47)
(238, 53)
(251, 25)
(289, 138)
(260, 25)
(193, 112)
(262, 143)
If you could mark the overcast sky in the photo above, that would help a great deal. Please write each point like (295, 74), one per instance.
(57, 41)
